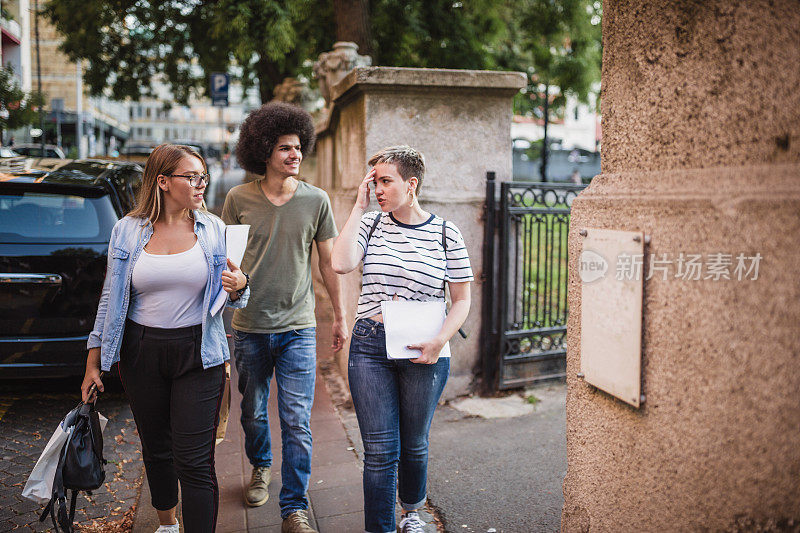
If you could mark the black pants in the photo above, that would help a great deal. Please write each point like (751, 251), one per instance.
(175, 404)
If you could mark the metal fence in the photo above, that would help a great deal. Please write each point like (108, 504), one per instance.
(525, 295)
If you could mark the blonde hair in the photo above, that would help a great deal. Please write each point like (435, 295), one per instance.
(409, 162)
(163, 161)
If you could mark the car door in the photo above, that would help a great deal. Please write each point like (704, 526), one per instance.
(53, 249)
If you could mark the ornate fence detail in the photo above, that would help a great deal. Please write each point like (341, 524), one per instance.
(526, 305)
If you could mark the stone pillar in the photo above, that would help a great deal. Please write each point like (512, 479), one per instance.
(460, 120)
(701, 151)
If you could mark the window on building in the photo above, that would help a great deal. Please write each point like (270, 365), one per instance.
(576, 112)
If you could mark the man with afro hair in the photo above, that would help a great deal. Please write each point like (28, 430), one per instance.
(276, 332)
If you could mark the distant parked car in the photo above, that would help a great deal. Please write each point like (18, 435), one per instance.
(11, 161)
(206, 150)
(8, 152)
(35, 150)
(135, 152)
(54, 231)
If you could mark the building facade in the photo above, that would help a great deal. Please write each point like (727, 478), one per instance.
(153, 121)
(39, 63)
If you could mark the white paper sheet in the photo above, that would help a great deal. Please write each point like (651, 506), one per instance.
(408, 322)
(235, 244)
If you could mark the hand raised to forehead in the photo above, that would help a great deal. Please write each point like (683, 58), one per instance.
(362, 201)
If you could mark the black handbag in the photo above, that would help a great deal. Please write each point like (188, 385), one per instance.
(80, 465)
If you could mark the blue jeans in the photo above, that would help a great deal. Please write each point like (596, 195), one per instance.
(394, 402)
(293, 357)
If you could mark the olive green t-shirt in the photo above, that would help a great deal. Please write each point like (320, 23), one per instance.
(278, 255)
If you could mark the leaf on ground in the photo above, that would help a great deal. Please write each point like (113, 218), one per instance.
(122, 524)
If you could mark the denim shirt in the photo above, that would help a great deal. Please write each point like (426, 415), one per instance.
(128, 238)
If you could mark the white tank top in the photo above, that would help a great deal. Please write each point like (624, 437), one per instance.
(167, 290)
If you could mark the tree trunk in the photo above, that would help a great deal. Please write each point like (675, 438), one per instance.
(352, 23)
(269, 77)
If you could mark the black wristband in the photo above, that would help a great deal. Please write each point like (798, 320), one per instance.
(239, 292)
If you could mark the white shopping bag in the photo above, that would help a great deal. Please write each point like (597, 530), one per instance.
(39, 487)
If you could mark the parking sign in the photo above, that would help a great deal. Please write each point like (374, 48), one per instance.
(219, 88)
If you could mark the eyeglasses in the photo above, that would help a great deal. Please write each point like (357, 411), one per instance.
(194, 179)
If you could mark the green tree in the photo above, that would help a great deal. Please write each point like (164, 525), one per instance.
(557, 43)
(270, 40)
(128, 44)
(17, 108)
(435, 33)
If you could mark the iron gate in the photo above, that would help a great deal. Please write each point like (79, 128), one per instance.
(525, 274)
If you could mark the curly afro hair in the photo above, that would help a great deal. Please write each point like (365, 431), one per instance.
(262, 127)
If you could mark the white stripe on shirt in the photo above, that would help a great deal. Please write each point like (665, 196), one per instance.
(408, 261)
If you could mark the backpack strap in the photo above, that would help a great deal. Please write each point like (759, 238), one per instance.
(72, 502)
(444, 247)
(61, 514)
(56, 508)
(374, 225)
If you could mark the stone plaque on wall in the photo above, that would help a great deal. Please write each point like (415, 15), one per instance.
(611, 271)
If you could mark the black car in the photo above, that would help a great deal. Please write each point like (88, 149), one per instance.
(54, 232)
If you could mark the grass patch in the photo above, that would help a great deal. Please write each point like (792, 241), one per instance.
(539, 249)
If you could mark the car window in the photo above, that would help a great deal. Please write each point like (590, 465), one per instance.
(51, 217)
(7, 152)
(128, 181)
(36, 151)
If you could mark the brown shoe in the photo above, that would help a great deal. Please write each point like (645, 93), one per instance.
(297, 522)
(257, 492)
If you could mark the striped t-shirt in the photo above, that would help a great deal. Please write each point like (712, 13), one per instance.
(408, 260)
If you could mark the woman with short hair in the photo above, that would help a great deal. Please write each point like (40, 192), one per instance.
(408, 254)
(166, 265)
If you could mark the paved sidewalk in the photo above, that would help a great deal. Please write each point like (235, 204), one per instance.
(500, 474)
(28, 417)
(334, 491)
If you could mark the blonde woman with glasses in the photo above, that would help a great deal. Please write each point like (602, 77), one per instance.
(166, 264)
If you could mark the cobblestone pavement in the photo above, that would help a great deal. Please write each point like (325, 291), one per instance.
(28, 418)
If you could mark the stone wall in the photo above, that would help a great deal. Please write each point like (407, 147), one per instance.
(701, 151)
(460, 121)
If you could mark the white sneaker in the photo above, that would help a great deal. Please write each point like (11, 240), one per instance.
(411, 523)
(174, 528)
